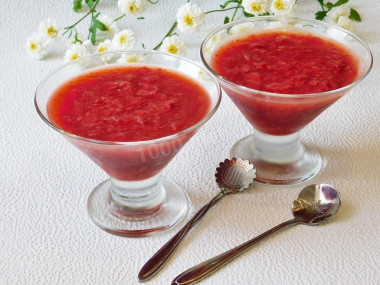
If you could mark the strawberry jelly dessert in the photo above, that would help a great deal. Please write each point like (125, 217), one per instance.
(295, 71)
(123, 106)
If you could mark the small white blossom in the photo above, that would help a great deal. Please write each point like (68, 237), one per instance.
(109, 23)
(103, 47)
(215, 40)
(190, 17)
(173, 45)
(87, 44)
(340, 16)
(76, 51)
(242, 28)
(124, 39)
(282, 7)
(256, 7)
(130, 57)
(48, 30)
(335, 13)
(35, 46)
(200, 70)
(346, 23)
(133, 7)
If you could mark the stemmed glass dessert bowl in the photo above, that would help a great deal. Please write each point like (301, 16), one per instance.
(277, 114)
(136, 200)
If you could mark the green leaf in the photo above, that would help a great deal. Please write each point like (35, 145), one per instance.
(340, 2)
(98, 25)
(93, 34)
(77, 5)
(320, 15)
(226, 20)
(329, 5)
(90, 3)
(247, 14)
(140, 18)
(354, 15)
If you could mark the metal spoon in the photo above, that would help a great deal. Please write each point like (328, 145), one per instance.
(314, 205)
(233, 176)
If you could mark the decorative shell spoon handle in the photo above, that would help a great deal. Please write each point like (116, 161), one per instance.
(233, 176)
(314, 205)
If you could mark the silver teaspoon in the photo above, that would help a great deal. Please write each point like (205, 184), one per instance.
(233, 176)
(314, 205)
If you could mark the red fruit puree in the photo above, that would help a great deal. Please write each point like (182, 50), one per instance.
(284, 62)
(126, 104)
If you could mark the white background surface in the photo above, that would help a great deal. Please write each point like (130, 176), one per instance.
(46, 236)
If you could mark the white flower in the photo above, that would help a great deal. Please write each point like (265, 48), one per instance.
(282, 7)
(48, 30)
(201, 71)
(76, 51)
(87, 44)
(124, 39)
(109, 23)
(215, 40)
(130, 57)
(103, 47)
(174, 45)
(340, 16)
(133, 7)
(189, 17)
(35, 46)
(346, 23)
(256, 7)
(335, 13)
(242, 28)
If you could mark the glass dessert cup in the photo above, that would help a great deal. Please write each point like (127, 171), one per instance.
(135, 201)
(274, 147)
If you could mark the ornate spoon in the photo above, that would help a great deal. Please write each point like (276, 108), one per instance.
(233, 176)
(314, 205)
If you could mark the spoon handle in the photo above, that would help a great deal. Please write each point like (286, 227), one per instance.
(208, 267)
(154, 264)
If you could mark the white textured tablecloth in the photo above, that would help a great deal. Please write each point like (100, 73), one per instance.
(46, 236)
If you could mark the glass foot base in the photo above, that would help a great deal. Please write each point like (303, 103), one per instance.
(303, 169)
(160, 218)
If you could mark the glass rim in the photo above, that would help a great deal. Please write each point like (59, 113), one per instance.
(212, 111)
(286, 95)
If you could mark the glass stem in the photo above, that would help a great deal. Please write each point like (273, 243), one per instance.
(278, 149)
(129, 198)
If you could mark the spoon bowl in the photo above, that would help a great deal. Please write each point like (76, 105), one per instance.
(315, 204)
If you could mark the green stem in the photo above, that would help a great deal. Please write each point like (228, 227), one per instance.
(89, 31)
(233, 16)
(322, 5)
(221, 10)
(91, 12)
(121, 17)
(167, 35)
